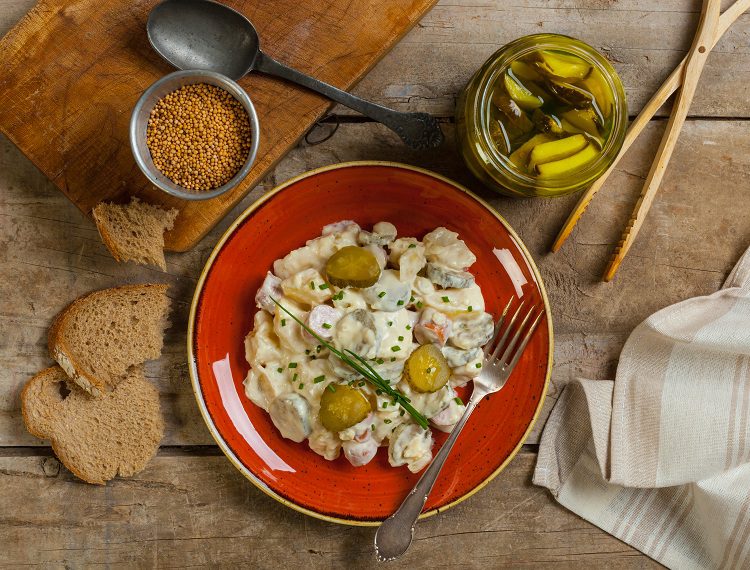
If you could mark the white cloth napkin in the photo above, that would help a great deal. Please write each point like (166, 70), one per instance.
(660, 457)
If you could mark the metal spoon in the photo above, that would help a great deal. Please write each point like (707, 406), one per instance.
(201, 34)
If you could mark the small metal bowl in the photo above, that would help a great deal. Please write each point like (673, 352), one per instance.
(142, 112)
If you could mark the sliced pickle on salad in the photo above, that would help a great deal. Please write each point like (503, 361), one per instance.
(566, 166)
(342, 406)
(427, 370)
(353, 266)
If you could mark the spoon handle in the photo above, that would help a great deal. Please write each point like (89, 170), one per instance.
(417, 130)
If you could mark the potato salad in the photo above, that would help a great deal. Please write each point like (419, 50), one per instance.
(407, 307)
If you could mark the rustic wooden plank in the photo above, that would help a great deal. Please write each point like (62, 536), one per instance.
(185, 511)
(644, 40)
(696, 230)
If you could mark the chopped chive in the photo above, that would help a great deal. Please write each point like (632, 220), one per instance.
(408, 327)
(319, 379)
(312, 285)
(470, 308)
(412, 245)
(307, 351)
(419, 304)
(395, 348)
(331, 387)
(301, 385)
(458, 401)
(400, 303)
(380, 361)
(385, 404)
(294, 378)
(361, 384)
(479, 364)
(283, 322)
(446, 300)
(386, 421)
(292, 365)
(381, 294)
(326, 326)
(401, 412)
(372, 427)
(318, 348)
(279, 370)
(323, 286)
(390, 323)
(411, 299)
(400, 338)
(393, 359)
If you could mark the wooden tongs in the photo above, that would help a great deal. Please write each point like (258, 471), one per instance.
(710, 29)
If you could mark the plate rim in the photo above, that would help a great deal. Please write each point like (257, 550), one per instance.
(192, 364)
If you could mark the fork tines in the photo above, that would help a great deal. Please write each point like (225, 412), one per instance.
(526, 328)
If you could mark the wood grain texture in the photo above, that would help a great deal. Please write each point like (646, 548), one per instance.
(699, 225)
(72, 72)
(199, 511)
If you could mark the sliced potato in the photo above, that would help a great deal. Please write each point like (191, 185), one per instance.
(353, 266)
(562, 65)
(342, 406)
(525, 98)
(427, 369)
(556, 150)
(567, 165)
(520, 157)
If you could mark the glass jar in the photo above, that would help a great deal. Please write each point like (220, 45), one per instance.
(475, 115)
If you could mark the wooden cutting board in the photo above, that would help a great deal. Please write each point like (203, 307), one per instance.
(72, 71)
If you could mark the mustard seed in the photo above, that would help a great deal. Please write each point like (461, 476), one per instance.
(199, 136)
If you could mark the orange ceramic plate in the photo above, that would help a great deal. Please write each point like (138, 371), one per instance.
(416, 201)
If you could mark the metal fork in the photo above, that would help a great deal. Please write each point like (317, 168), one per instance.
(394, 536)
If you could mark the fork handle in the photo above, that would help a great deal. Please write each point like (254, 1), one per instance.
(395, 534)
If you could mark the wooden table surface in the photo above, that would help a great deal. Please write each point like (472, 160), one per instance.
(190, 507)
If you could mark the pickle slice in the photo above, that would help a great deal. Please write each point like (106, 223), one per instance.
(520, 157)
(562, 65)
(583, 119)
(524, 71)
(598, 87)
(570, 129)
(342, 406)
(520, 94)
(499, 136)
(353, 266)
(427, 370)
(567, 165)
(547, 123)
(556, 150)
(515, 119)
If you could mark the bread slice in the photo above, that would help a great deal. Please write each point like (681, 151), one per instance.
(135, 231)
(101, 335)
(95, 438)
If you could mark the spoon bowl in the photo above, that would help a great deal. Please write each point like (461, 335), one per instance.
(206, 35)
(200, 34)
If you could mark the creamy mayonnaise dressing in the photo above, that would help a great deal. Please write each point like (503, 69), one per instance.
(424, 295)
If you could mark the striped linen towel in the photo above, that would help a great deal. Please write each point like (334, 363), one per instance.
(660, 458)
